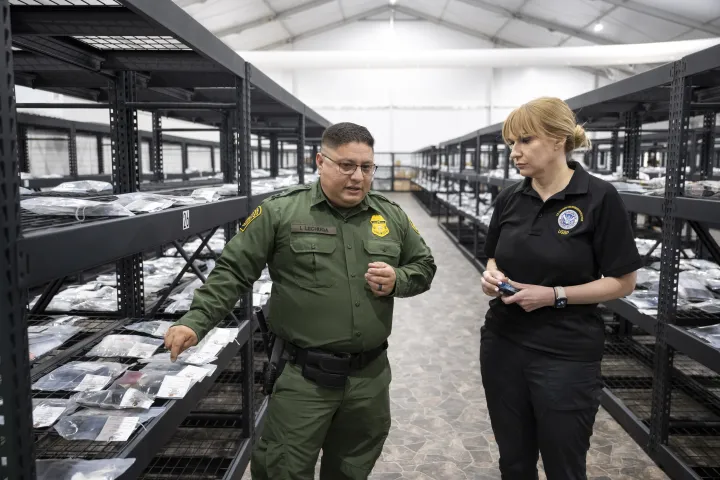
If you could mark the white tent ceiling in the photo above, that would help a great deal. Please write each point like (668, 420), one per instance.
(272, 24)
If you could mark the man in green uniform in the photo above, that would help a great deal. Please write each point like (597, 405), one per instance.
(338, 254)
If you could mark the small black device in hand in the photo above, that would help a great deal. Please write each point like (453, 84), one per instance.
(507, 289)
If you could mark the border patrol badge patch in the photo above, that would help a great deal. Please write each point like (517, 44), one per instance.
(379, 226)
(255, 214)
(568, 218)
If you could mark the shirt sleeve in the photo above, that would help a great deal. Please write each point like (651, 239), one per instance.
(416, 267)
(235, 272)
(614, 242)
(493, 231)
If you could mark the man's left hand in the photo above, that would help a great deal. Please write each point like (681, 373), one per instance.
(381, 278)
(531, 297)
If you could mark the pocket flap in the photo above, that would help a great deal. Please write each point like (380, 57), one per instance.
(380, 247)
(305, 244)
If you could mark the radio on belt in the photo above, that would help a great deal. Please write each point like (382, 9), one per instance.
(507, 289)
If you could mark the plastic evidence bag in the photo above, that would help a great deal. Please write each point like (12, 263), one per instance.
(80, 376)
(128, 346)
(76, 469)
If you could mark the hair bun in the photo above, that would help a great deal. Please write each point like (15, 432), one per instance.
(580, 139)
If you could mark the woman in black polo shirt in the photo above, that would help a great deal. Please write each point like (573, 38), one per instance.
(563, 239)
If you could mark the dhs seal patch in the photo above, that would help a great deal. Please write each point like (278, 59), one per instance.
(568, 218)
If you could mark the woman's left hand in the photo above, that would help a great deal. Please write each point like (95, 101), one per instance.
(531, 297)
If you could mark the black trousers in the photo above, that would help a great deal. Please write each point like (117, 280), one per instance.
(539, 405)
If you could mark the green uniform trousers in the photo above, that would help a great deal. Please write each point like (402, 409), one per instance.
(350, 426)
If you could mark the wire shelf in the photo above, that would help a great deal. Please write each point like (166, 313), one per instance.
(134, 43)
(700, 450)
(197, 453)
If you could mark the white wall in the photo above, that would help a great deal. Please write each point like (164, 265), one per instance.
(409, 109)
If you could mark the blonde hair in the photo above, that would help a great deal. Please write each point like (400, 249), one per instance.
(547, 116)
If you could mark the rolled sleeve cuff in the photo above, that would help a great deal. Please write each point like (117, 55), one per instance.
(400, 282)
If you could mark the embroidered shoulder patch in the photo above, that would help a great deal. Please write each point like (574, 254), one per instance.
(255, 214)
(413, 226)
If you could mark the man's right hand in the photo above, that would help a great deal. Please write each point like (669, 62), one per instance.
(178, 339)
(490, 281)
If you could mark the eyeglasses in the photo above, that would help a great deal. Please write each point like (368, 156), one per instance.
(348, 168)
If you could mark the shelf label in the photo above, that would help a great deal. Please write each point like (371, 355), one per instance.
(174, 387)
(142, 350)
(117, 429)
(92, 383)
(186, 219)
(44, 416)
(194, 373)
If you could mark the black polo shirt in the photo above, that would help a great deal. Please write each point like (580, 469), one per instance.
(575, 237)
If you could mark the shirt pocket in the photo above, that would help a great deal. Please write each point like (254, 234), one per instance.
(382, 251)
(312, 260)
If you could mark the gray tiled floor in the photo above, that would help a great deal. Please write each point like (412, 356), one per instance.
(440, 426)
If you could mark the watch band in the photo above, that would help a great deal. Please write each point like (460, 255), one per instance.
(560, 297)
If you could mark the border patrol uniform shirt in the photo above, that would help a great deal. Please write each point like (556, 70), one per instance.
(573, 238)
(317, 256)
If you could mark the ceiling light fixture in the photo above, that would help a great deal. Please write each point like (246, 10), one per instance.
(392, 2)
(598, 27)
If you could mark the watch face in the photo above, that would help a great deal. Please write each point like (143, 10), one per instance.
(561, 303)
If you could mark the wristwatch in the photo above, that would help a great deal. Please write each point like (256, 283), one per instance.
(560, 297)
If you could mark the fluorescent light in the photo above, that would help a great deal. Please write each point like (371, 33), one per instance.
(392, 2)
(598, 27)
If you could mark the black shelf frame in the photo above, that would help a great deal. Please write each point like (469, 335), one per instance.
(174, 68)
(673, 93)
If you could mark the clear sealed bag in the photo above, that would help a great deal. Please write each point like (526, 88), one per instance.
(116, 397)
(711, 334)
(195, 372)
(128, 346)
(156, 384)
(74, 207)
(84, 186)
(99, 428)
(80, 376)
(643, 300)
(46, 338)
(155, 328)
(76, 469)
(46, 411)
(691, 287)
(648, 279)
(95, 424)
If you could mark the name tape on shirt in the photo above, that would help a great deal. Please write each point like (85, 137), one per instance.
(379, 226)
(568, 218)
(255, 214)
(301, 228)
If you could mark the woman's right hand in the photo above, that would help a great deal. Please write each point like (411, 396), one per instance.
(490, 280)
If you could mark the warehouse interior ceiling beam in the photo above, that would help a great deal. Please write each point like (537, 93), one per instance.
(275, 17)
(325, 28)
(483, 36)
(540, 22)
(664, 15)
(552, 26)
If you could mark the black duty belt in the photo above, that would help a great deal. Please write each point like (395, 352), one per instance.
(329, 369)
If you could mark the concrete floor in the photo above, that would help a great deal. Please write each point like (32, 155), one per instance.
(441, 428)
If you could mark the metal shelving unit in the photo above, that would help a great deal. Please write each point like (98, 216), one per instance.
(125, 56)
(662, 383)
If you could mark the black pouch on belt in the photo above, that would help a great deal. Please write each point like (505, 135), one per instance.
(325, 369)
(331, 370)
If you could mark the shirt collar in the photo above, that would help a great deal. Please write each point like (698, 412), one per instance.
(318, 197)
(579, 183)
